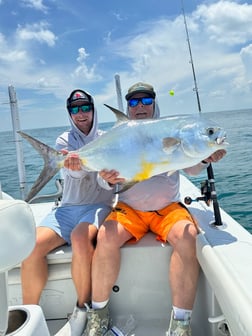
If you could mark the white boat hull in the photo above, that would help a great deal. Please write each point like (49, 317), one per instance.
(224, 296)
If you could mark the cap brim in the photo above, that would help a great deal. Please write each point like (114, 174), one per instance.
(81, 100)
(150, 93)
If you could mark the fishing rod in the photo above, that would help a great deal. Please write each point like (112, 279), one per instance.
(209, 193)
(191, 59)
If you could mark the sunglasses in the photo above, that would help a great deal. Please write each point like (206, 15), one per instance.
(83, 108)
(145, 101)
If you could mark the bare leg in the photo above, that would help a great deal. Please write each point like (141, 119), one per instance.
(106, 260)
(83, 238)
(184, 266)
(34, 269)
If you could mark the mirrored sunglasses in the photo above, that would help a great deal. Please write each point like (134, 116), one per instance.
(83, 108)
(145, 101)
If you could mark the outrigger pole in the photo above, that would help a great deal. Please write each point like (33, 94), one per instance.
(119, 92)
(210, 174)
(18, 142)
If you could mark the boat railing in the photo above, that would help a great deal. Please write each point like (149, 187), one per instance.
(51, 197)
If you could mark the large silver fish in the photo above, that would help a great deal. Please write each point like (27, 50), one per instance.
(139, 149)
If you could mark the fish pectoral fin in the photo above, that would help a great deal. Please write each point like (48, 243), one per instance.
(170, 144)
(126, 186)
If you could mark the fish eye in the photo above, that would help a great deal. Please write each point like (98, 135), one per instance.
(210, 131)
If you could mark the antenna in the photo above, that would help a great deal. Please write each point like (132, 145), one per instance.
(191, 59)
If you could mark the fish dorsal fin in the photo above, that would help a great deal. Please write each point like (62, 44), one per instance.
(170, 144)
(120, 116)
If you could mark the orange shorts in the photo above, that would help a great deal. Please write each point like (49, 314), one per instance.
(160, 221)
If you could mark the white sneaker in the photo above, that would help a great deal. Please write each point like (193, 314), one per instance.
(76, 323)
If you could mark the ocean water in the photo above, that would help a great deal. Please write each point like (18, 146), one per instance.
(233, 174)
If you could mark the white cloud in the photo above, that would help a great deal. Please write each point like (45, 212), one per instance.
(226, 22)
(82, 55)
(38, 32)
(107, 38)
(14, 56)
(36, 4)
(83, 71)
(49, 82)
(119, 17)
(246, 56)
(9, 55)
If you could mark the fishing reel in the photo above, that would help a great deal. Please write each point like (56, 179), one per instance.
(205, 192)
(209, 194)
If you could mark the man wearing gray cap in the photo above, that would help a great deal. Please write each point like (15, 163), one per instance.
(150, 205)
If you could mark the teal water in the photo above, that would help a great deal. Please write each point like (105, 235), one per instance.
(233, 176)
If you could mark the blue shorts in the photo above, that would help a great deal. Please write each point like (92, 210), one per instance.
(64, 219)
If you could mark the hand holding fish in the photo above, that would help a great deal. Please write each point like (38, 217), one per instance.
(111, 176)
(72, 160)
(216, 156)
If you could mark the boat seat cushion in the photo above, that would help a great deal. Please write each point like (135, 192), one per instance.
(60, 255)
(63, 254)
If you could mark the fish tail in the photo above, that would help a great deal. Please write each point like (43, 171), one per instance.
(51, 166)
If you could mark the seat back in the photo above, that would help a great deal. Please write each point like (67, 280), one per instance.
(17, 239)
(17, 233)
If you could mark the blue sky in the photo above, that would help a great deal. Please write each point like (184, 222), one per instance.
(48, 48)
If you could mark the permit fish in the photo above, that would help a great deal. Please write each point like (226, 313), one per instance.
(139, 149)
